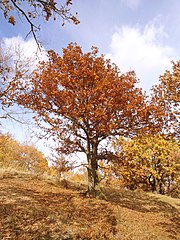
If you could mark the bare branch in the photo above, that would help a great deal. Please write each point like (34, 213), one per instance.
(81, 165)
(32, 26)
(11, 117)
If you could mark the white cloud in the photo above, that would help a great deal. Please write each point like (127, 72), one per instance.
(133, 4)
(27, 49)
(142, 51)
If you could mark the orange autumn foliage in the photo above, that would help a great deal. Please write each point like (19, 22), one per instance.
(82, 99)
(166, 94)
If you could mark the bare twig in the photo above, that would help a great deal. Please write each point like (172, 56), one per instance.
(32, 26)
(11, 117)
(81, 165)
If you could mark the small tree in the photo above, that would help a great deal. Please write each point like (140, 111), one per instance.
(149, 161)
(59, 164)
(85, 101)
(24, 157)
(30, 159)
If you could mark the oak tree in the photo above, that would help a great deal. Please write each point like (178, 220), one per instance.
(83, 100)
(166, 94)
(149, 161)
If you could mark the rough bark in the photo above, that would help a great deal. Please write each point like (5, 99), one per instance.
(92, 177)
(92, 159)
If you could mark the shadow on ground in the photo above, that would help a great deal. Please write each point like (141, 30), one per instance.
(34, 210)
(141, 202)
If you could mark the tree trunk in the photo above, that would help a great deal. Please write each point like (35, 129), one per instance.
(92, 178)
(169, 185)
(154, 185)
(92, 170)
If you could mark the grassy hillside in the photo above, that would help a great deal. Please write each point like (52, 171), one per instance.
(34, 207)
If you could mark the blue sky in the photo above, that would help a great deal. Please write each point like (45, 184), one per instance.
(140, 35)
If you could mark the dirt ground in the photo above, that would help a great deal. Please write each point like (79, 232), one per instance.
(32, 208)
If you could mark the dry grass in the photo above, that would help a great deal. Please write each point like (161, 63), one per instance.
(36, 207)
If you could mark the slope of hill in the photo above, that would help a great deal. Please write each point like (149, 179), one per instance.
(32, 207)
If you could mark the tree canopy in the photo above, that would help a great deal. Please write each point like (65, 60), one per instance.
(166, 94)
